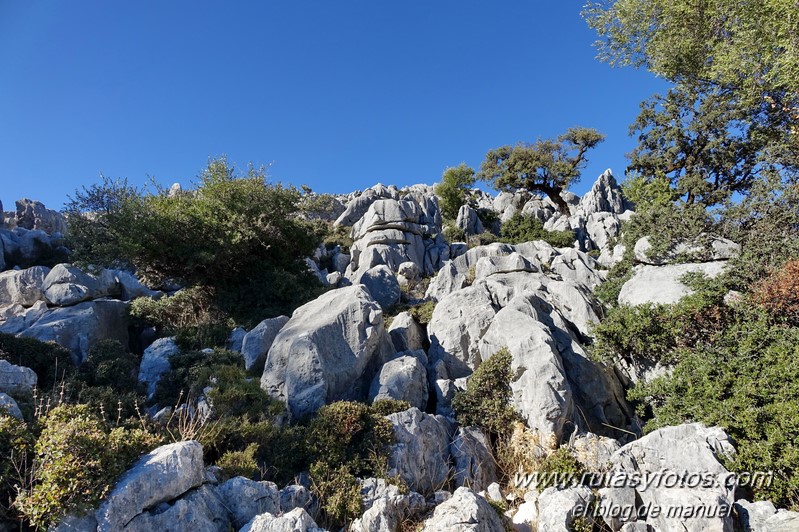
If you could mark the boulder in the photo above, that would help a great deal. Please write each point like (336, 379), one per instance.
(682, 454)
(465, 511)
(245, 498)
(474, 464)
(420, 454)
(329, 350)
(23, 287)
(7, 403)
(159, 476)
(76, 328)
(403, 378)
(704, 248)
(131, 288)
(406, 334)
(34, 215)
(297, 520)
(297, 496)
(605, 196)
(358, 206)
(468, 221)
(382, 285)
(16, 379)
(155, 362)
(661, 284)
(257, 342)
(558, 508)
(200, 510)
(66, 285)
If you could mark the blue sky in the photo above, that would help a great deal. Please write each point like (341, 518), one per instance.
(336, 95)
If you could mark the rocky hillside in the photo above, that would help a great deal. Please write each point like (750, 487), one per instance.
(418, 392)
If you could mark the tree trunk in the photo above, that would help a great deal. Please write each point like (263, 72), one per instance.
(553, 193)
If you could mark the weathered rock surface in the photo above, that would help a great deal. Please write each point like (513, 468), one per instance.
(329, 350)
(257, 342)
(23, 287)
(558, 508)
(421, 452)
(406, 334)
(16, 379)
(200, 510)
(465, 511)
(155, 362)
(297, 520)
(403, 378)
(468, 221)
(34, 215)
(474, 463)
(245, 498)
(159, 476)
(7, 403)
(66, 285)
(661, 284)
(382, 284)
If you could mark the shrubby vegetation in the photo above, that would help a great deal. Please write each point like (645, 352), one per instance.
(236, 236)
(453, 190)
(525, 228)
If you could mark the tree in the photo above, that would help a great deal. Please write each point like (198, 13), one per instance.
(750, 47)
(705, 142)
(453, 189)
(547, 166)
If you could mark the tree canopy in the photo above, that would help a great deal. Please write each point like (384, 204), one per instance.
(453, 189)
(546, 166)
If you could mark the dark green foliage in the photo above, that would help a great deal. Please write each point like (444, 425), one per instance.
(522, 228)
(453, 233)
(109, 363)
(16, 445)
(547, 166)
(453, 189)
(338, 236)
(78, 458)
(339, 492)
(747, 382)
(608, 292)
(240, 463)
(386, 407)
(236, 235)
(51, 362)
(563, 462)
(486, 403)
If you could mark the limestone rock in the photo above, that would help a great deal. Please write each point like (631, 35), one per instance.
(296, 520)
(421, 452)
(403, 378)
(474, 464)
(159, 476)
(200, 510)
(23, 287)
(34, 215)
(16, 379)
(558, 508)
(155, 362)
(329, 350)
(465, 511)
(66, 285)
(468, 221)
(257, 342)
(7, 403)
(406, 334)
(245, 498)
(382, 285)
(661, 284)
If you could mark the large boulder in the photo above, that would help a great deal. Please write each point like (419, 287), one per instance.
(605, 196)
(245, 498)
(155, 362)
(159, 476)
(661, 284)
(683, 456)
(76, 328)
(358, 206)
(329, 350)
(257, 342)
(200, 510)
(297, 520)
(16, 379)
(468, 221)
(403, 378)
(34, 215)
(558, 508)
(23, 287)
(382, 285)
(474, 464)
(406, 334)
(420, 454)
(66, 285)
(464, 511)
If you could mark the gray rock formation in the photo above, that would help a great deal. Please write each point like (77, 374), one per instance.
(661, 284)
(558, 508)
(406, 334)
(257, 342)
(403, 378)
(329, 350)
(16, 379)
(155, 362)
(420, 455)
(23, 287)
(160, 476)
(7, 403)
(382, 284)
(66, 285)
(472, 458)
(468, 221)
(465, 511)
(297, 520)
(34, 215)
(245, 498)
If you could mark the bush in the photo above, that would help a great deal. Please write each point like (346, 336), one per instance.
(778, 294)
(486, 402)
(453, 233)
(386, 407)
(16, 448)
(453, 189)
(339, 493)
(237, 235)
(522, 228)
(240, 463)
(747, 382)
(78, 458)
(51, 362)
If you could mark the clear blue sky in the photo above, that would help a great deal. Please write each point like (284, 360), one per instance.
(336, 95)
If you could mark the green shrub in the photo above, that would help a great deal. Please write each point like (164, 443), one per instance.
(240, 463)
(16, 449)
(51, 362)
(78, 458)
(235, 234)
(423, 312)
(386, 407)
(338, 235)
(562, 463)
(486, 402)
(109, 363)
(453, 233)
(339, 493)
(747, 382)
(453, 190)
(522, 228)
